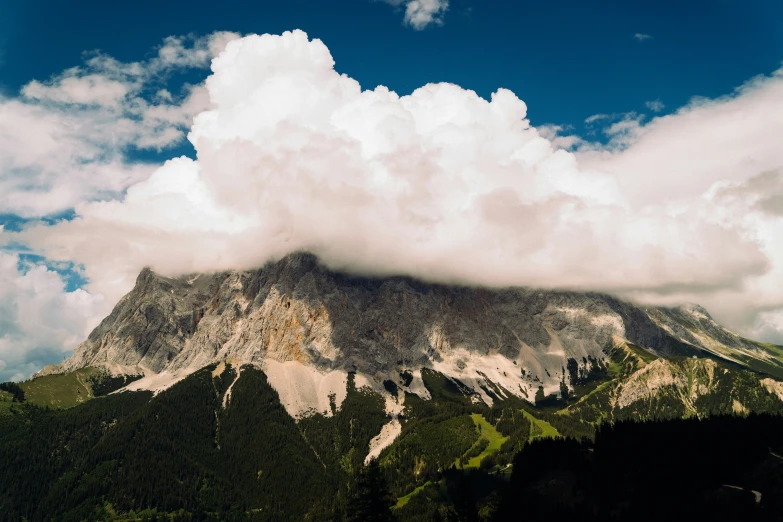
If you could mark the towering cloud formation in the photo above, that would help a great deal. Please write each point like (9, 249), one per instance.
(444, 185)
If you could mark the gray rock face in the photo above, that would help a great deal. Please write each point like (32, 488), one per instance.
(298, 310)
(147, 327)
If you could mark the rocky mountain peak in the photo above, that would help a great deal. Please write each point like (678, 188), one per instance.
(298, 319)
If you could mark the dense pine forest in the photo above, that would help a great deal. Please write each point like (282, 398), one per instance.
(721, 468)
(190, 453)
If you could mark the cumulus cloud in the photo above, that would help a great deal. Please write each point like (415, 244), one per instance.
(63, 140)
(720, 156)
(446, 186)
(420, 14)
(641, 37)
(40, 322)
(681, 155)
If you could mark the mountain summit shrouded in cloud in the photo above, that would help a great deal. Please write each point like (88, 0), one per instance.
(440, 184)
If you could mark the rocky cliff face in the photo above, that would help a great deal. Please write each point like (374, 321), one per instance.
(296, 317)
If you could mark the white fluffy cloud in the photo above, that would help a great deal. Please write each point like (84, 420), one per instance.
(447, 186)
(63, 140)
(721, 158)
(40, 322)
(444, 185)
(680, 156)
(420, 14)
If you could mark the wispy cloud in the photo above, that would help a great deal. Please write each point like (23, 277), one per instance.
(655, 105)
(555, 134)
(597, 117)
(642, 37)
(70, 132)
(420, 14)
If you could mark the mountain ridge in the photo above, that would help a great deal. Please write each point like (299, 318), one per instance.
(299, 320)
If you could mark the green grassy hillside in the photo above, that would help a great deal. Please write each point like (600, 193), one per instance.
(540, 429)
(60, 391)
(71, 389)
(403, 501)
(492, 442)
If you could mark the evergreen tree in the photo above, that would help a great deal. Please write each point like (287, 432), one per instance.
(540, 395)
(465, 502)
(14, 389)
(371, 500)
(563, 390)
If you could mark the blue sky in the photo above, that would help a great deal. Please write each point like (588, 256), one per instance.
(660, 184)
(567, 59)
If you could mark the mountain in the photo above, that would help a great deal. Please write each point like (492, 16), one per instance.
(297, 319)
(262, 395)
